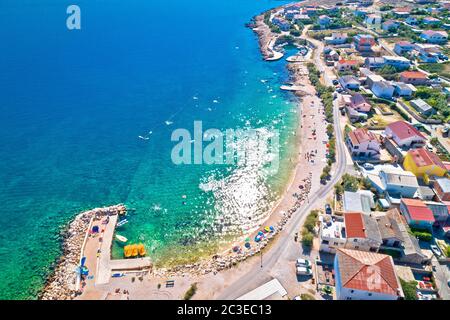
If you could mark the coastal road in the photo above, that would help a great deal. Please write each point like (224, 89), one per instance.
(442, 275)
(283, 248)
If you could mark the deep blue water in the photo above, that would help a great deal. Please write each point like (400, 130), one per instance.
(73, 104)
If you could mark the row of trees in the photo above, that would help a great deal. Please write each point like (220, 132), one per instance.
(326, 95)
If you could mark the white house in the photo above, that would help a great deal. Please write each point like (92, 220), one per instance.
(282, 23)
(362, 232)
(432, 36)
(383, 89)
(332, 233)
(399, 183)
(365, 276)
(405, 135)
(336, 38)
(403, 89)
(402, 47)
(324, 21)
(363, 143)
(373, 21)
(390, 25)
(398, 62)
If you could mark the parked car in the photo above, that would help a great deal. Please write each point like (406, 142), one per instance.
(303, 263)
(328, 209)
(368, 166)
(436, 250)
(302, 271)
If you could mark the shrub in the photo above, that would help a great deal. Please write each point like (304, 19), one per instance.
(311, 221)
(307, 238)
(423, 235)
(307, 296)
(409, 289)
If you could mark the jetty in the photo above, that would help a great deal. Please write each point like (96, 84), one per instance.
(295, 59)
(292, 87)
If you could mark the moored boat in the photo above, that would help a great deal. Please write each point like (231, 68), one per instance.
(122, 222)
(121, 238)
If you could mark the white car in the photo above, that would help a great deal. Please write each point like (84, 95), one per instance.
(368, 166)
(303, 263)
(303, 271)
(436, 250)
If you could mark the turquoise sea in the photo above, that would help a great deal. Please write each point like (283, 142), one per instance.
(74, 103)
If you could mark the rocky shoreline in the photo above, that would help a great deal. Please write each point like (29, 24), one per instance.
(61, 285)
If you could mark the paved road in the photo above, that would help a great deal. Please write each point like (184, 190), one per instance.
(283, 247)
(442, 275)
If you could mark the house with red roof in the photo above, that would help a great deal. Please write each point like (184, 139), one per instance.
(417, 213)
(432, 21)
(363, 143)
(362, 232)
(433, 36)
(360, 103)
(363, 275)
(414, 77)
(424, 163)
(402, 12)
(405, 135)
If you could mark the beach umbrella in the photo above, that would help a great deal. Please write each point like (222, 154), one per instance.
(267, 229)
(247, 239)
(247, 245)
(236, 248)
(272, 229)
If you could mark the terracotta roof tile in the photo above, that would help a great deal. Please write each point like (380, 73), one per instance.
(422, 158)
(418, 210)
(404, 130)
(354, 225)
(413, 75)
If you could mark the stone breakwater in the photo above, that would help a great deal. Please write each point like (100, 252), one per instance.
(61, 285)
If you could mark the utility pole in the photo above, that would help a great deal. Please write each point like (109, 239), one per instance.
(261, 258)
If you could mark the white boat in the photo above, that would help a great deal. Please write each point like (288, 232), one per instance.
(121, 238)
(122, 222)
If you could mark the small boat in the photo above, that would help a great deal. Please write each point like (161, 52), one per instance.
(122, 222)
(121, 238)
(134, 250)
(118, 275)
(141, 250)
